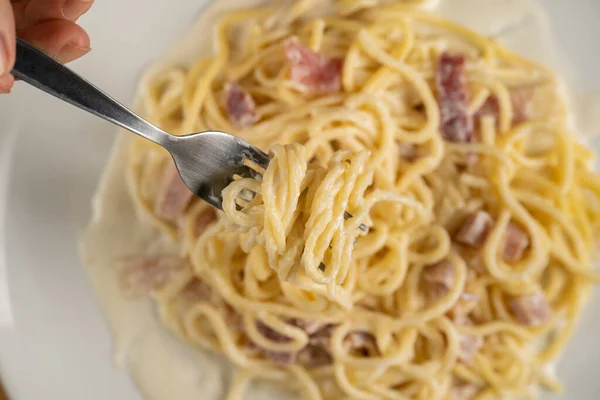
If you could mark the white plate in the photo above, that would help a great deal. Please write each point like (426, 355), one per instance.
(51, 156)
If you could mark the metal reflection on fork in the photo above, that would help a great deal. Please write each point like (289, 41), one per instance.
(206, 161)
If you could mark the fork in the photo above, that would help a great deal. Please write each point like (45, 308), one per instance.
(207, 161)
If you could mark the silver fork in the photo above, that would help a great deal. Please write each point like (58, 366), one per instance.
(206, 161)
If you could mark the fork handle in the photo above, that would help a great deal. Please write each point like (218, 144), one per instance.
(48, 75)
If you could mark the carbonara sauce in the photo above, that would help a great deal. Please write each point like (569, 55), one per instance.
(165, 368)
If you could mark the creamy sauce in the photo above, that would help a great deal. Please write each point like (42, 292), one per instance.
(165, 368)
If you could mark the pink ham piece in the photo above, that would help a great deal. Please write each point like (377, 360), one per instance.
(463, 391)
(278, 357)
(456, 124)
(465, 304)
(173, 196)
(522, 106)
(240, 106)
(490, 107)
(474, 231)
(362, 343)
(311, 327)
(314, 354)
(439, 279)
(315, 73)
(139, 276)
(516, 242)
(204, 221)
(409, 152)
(469, 345)
(199, 291)
(531, 310)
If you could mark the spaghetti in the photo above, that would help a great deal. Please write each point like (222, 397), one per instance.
(480, 206)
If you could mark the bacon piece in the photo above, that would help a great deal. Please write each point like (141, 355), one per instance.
(204, 221)
(173, 197)
(270, 333)
(316, 353)
(408, 151)
(314, 72)
(474, 231)
(234, 318)
(240, 105)
(463, 391)
(360, 342)
(199, 291)
(309, 326)
(439, 279)
(278, 357)
(516, 242)
(465, 304)
(531, 310)
(456, 123)
(490, 107)
(139, 276)
(469, 345)
(281, 357)
(522, 104)
(476, 263)
(314, 356)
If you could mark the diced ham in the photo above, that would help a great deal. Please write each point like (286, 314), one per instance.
(465, 304)
(469, 345)
(476, 263)
(362, 343)
(531, 310)
(313, 356)
(322, 336)
(271, 334)
(240, 106)
(173, 197)
(199, 291)
(278, 357)
(521, 101)
(439, 279)
(463, 391)
(522, 104)
(408, 151)
(139, 276)
(309, 326)
(474, 231)
(313, 72)
(456, 124)
(516, 242)
(204, 221)
(490, 107)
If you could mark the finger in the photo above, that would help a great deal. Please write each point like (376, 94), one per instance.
(30, 12)
(7, 38)
(6, 83)
(63, 40)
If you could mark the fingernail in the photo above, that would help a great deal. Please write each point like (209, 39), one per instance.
(74, 9)
(70, 52)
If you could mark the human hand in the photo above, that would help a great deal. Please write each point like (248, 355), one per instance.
(49, 25)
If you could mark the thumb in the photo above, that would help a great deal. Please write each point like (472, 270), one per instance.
(7, 44)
